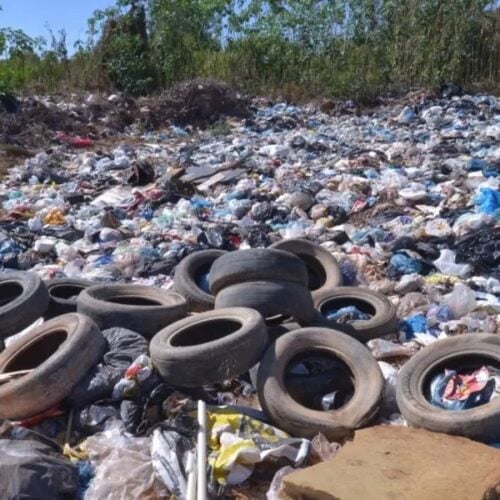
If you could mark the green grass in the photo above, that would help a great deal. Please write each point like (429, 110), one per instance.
(288, 50)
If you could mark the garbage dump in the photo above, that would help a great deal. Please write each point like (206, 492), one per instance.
(227, 301)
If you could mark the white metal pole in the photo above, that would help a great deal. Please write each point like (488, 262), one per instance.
(191, 476)
(202, 451)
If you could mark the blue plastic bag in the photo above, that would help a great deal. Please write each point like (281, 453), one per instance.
(414, 324)
(487, 200)
(346, 314)
(401, 263)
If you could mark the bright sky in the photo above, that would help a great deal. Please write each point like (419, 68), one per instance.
(32, 16)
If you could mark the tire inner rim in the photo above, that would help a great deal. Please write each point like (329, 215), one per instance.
(319, 380)
(66, 291)
(202, 333)
(347, 310)
(315, 272)
(201, 278)
(37, 352)
(442, 385)
(131, 300)
(9, 291)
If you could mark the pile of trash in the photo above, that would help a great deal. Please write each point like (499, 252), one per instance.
(34, 122)
(215, 308)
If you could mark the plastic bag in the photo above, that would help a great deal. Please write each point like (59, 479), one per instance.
(452, 390)
(412, 303)
(94, 418)
(322, 449)
(123, 467)
(146, 409)
(461, 301)
(438, 228)
(487, 201)
(138, 372)
(402, 263)
(238, 442)
(446, 264)
(383, 349)
(274, 491)
(470, 222)
(389, 405)
(346, 314)
(172, 448)
(414, 324)
(409, 283)
(482, 249)
(124, 346)
(31, 470)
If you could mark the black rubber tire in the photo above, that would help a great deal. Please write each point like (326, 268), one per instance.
(481, 423)
(322, 267)
(184, 279)
(383, 322)
(274, 332)
(218, 355)
(270, 298)
(256, 264)
(23, 298)
(142, 309)
(60, 353)
(63, 293)
(291, 416)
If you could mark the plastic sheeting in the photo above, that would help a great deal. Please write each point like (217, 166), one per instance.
(124, 347)
(31, 470)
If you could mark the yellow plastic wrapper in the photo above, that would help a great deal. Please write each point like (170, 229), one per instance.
(55, 216)
(441, 279)
(238, 442)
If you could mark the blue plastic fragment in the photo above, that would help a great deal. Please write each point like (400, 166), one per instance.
(346, 314)
(487, 200)
(414, 324)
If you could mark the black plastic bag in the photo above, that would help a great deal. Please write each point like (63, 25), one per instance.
(93, 418)
(481, 248)
(30, 470)
(146, 410)
(124, 347)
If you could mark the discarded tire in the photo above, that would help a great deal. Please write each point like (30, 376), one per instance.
(322, 267)
(270, 298)
(474, 350)
(209, 347)
(292, 416)
(276, 331)
(273, 332)
(63, 293)
(58, 354)
(382, 311)
(259, 264)
(143, 309)
(188, 275)
(23, 299)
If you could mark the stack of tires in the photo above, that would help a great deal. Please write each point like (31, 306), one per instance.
(39, 368)
(286, 285)
(273, 282)
(51, 334)
(294, 279)
(259, 311)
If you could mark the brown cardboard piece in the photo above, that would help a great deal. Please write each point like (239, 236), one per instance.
(401, 463)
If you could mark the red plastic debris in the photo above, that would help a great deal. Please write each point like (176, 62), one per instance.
(75, 142)
(55, 411)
